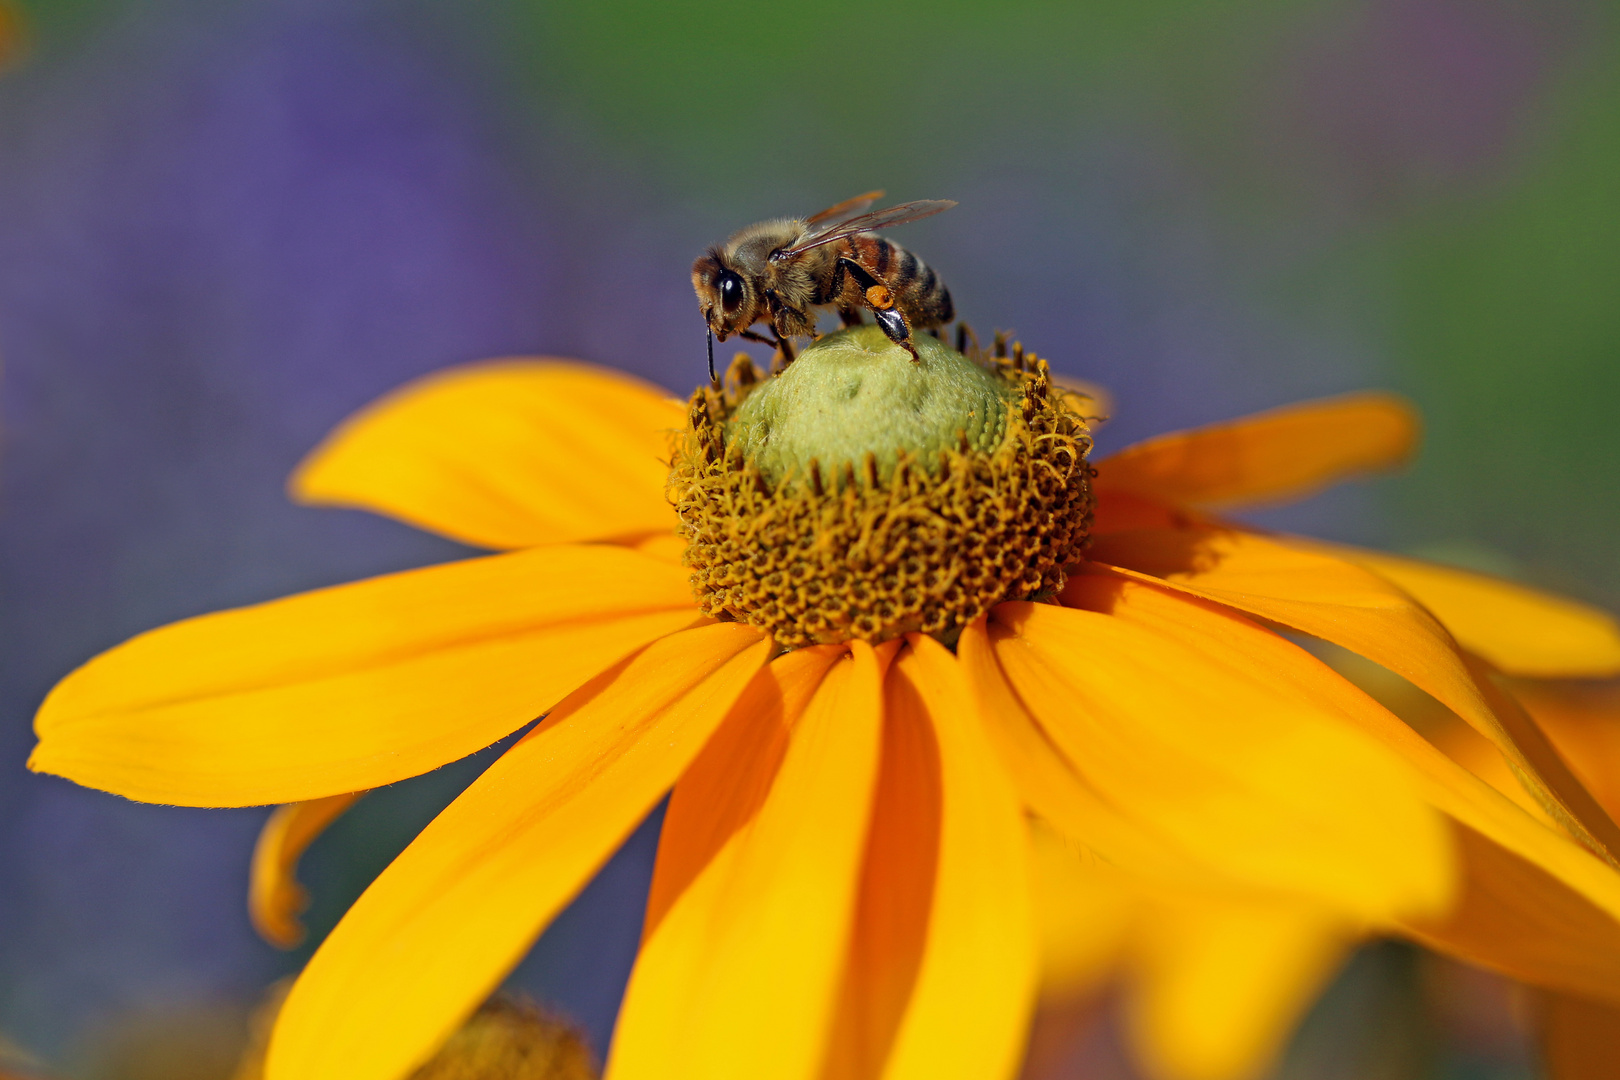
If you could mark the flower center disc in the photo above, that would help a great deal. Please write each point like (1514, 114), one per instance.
(861, 495)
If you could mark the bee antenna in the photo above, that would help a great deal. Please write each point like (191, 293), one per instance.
(712, 378)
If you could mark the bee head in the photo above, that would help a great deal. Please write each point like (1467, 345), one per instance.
(726, 297)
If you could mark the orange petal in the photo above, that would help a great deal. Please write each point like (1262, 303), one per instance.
(1583, 720)
(970, 1007)
(275, 899)
(729, 781)
(1119, 510)
(897, 886)
(440, 927)
(1269, 457)
(1234, 770)
(1084, 908)
(506, 454)
(1516, 917)
(740, 977)
(1218, 987)
(1519, 630)
(1316, 594)
(1517, 875)
(1053, 790)
(355, 686)
(1580, 1040)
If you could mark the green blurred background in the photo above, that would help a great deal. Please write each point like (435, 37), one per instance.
(225, 224)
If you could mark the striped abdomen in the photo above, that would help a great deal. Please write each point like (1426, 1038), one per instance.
(917, 291)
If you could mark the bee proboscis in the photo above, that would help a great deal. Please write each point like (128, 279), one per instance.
(779, 271)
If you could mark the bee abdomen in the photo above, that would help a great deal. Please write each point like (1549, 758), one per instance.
(917, 290)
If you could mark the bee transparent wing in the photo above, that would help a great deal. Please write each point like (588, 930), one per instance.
(878, 219)
(845, 208)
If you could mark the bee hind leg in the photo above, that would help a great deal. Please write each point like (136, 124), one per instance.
(894, 325)
(877, 297)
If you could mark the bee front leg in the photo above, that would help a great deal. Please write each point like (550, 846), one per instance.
(877, 297)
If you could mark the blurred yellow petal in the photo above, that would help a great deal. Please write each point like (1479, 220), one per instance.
(1318, 594)
(1504, 844)
(275, 899)
(1520, 630)
(740, 977)
(1580, 1039)
(1583, 721)
(1515, 917)
(1083, 910)
(442, 925)
(970, 1008)
(506, 454)
(1269, 457)
(1263, 782)
(354, 686)
(1219, 987)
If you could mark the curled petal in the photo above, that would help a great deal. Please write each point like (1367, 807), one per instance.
(1269, 457)
(506, 454)
(1519, 630)
(354, 686)
(275, 898)
(441, 926)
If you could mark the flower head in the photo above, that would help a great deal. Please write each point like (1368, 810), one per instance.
(843, 878)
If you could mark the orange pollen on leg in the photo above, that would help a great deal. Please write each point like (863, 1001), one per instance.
(878, 296)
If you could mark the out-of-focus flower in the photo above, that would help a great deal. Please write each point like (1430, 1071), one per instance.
(843, 878)
(1580, 1036)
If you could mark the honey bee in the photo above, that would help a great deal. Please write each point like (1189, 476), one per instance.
(778, 271)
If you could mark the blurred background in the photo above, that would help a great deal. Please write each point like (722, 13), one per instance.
(225, 224)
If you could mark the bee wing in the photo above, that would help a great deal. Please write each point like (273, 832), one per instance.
(878, 219)
(846, 208)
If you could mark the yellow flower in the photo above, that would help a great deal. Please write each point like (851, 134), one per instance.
(843, 878)
(1215, 985)
(1580, 1035)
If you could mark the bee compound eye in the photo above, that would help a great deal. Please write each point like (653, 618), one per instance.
(731, 292)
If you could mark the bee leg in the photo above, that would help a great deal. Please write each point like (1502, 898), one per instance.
(850, 316)
(785, 346)
(894, 325)
(877, 298)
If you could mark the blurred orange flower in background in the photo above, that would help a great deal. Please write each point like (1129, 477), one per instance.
(844, 878)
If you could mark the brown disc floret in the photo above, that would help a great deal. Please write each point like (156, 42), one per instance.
(895, 538)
